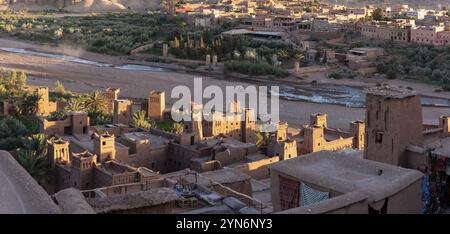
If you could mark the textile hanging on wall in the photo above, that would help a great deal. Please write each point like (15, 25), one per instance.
(310, 195)
(289, 193)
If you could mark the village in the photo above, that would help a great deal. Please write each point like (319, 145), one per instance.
(228, 165)
(90, 128)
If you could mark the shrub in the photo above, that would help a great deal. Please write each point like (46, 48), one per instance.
(335, 75)
(391, 74)
(446, 87)
(254, 68)
(11, 132)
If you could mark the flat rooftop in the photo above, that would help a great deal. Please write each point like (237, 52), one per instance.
(225, 175)
(222, 176)
(345, 171)
(115, 168)
(226, 142)
(390, 92)
(110, 126)
(84, 141)
(142, 136)
(255, 157)
(147, 172)
(441, 147)
(148, 198)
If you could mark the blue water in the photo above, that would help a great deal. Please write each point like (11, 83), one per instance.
(339, 95)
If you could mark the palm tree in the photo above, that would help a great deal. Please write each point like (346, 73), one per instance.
(27, 103)
(36, 143)
(177, 128)
(262, 139)
(299, 56)
(75, 105)
(97, 102)
(34, 164)
(140, 121)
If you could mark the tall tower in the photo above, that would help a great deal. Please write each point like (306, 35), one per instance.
(122, 111)
(393, 121)
(104, 147)
(194, 126)
(156, 104)
(281, 133)
(111, 95)
(445, 125)
(83, 164)
(249, 126)
(313, 139)
(319, 119)
(235, 107)
(286, 149)
(42, 104)
(358, 131)
(58, 151)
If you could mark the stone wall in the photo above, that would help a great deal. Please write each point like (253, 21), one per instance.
(257, 169)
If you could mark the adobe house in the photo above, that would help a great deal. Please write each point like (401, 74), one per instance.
(393, 121)
(238, 123)
(225, 181)
(73, 123)
(44, 106)
(146, 150)
(86, 170)
(316, 136)
(123, 111)
(343, 182)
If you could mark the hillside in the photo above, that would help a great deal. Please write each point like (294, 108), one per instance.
(84, 6)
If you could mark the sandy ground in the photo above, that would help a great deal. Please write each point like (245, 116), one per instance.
(137, 84)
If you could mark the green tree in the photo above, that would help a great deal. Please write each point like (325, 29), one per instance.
(21, 81)
(100, 118)
(96, 102)
(176, 43)
(378, 14)
(140, 121)
(34, 164)
(27, 103)
(262, 139)
(59, 88)
(202, 43)
(36, 143)
(75, 105)
(299, 56)
(12, 84)
(391, 74)
(11, 132)
(177, 128)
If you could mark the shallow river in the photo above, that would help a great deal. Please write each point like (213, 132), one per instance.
(325, 93)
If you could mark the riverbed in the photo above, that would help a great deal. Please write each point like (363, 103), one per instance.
(136, 83)
(322, 94)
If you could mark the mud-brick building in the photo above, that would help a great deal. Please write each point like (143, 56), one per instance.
(343, 182)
